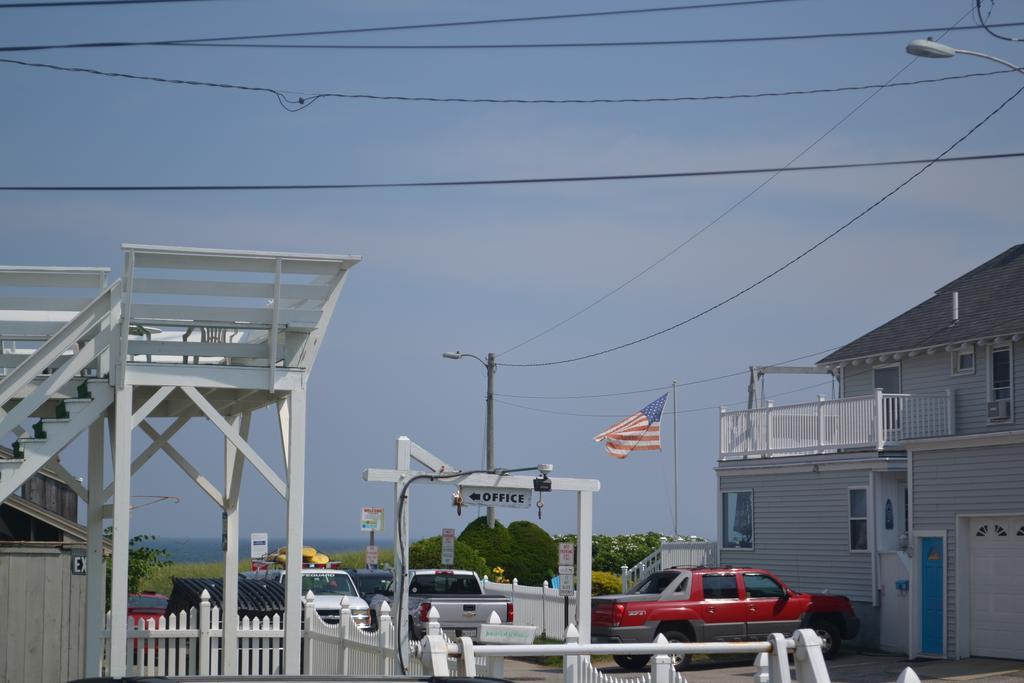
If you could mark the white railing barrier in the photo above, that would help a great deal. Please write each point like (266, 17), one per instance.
(670, 554)
(539, 606)
(871, 421)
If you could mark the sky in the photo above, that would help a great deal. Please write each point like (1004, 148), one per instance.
(482, 269)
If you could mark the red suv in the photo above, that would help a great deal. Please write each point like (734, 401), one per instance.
(708, 604)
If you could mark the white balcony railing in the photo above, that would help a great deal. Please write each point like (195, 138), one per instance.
(875, 421)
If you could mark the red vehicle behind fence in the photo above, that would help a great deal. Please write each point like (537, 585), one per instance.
(709, 604)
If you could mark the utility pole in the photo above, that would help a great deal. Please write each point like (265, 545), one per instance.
(675, 464)
(492, 365)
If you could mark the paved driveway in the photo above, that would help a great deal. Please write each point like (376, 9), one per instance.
(849, 668)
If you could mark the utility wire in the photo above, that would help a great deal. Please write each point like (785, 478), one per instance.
(508, 181)
(92, 3)
(668, 386)
(204, 42)
(788, 263)
(294, 101)
(732, 207)
(667, 412)
(984, 25)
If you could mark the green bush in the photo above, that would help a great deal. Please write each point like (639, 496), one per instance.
(426, 554)
(534, 556)
(605, 583)
(493, 545)
(611, 552)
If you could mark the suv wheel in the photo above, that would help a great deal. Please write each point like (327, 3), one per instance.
(831, 642)
(680, 662)
(631, 662)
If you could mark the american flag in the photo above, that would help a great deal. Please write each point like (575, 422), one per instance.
(641, 431)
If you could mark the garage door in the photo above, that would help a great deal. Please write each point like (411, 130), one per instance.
(997, 587)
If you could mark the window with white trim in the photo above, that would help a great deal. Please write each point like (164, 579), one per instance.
(963, 360)
(1000, 374)
(738, 520)
(858, 519)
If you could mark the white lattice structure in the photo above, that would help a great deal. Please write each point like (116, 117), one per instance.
(183, 334)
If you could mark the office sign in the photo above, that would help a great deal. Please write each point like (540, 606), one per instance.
(497, 496)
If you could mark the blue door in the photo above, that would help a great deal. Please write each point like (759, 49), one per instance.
(931, 596)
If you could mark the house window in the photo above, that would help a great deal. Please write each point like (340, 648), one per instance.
(858, 519)
(1000, 375)
(963, 361)
(738, 519)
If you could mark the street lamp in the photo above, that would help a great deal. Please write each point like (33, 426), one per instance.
(934, 50)
(491, 364)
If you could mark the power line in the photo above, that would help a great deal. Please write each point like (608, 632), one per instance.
(294, 101)
(788, 263)
(667, 412)
(92, 3)
(668, 386)
(732, 207)
(206, 42)
(508, 181)
(986, 26)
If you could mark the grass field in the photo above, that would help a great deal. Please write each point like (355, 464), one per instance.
(160, 580)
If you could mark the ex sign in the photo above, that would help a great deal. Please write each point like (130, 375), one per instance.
(497, 496)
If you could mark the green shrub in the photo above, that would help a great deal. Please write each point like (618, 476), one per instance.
(605, 583)
(611, 552)
(426, 554)
(534, 556)
(493, 545)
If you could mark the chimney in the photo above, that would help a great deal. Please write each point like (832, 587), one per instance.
(956, 307)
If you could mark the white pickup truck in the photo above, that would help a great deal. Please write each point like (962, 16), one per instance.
(329, 586)
(458, 597)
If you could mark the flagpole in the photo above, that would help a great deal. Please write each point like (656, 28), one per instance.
(675, 464)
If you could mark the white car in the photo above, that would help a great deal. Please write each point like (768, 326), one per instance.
(329, 586)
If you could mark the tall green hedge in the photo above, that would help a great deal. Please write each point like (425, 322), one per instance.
(535, 554)
(495, 545)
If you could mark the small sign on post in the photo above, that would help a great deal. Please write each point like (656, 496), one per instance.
(372, 556)
(447, 547)
(372, 520)
(566, 555)
(566, 580)
(258, 545)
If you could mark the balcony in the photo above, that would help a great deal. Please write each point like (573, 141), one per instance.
(874, 422)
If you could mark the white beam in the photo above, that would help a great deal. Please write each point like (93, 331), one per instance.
(150, 451)
(233, 464)
(427, 459)
(296, 500)
(218, 420)
(282, 423)
(67, 478)
(119, 559)
(187, 467)
(212, 376)
(146, 408)
(584, 543)
(490, 480)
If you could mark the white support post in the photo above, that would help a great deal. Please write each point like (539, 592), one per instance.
(386, 639)
(572, 665)
(879, 421)
(435, 647)
(403, 461)
(821, 422)
(950, 413)
(623, 572)
(119, 559)
(205, 618)
(778, 659)
(293, 568)
(345, 625)
(233, 464)
(584, 543)
(808, 658)
(96, 584)
(467, 662)
(761, 670)
(662, 670)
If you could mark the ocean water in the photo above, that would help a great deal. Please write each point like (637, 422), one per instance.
(209, 549)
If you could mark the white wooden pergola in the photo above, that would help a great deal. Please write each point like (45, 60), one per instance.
(183, 334)
(407, 452)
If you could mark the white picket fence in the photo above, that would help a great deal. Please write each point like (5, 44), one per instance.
(539, 606)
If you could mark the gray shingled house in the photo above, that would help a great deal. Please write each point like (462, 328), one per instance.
(906, 493)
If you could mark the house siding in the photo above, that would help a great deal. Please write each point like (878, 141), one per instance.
(932, 374)
(963, 481)
(801, 529)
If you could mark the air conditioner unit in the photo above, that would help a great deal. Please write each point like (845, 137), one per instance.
(999, 410)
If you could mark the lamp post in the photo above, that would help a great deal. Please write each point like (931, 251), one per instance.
(934, 50)
(491, 364)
